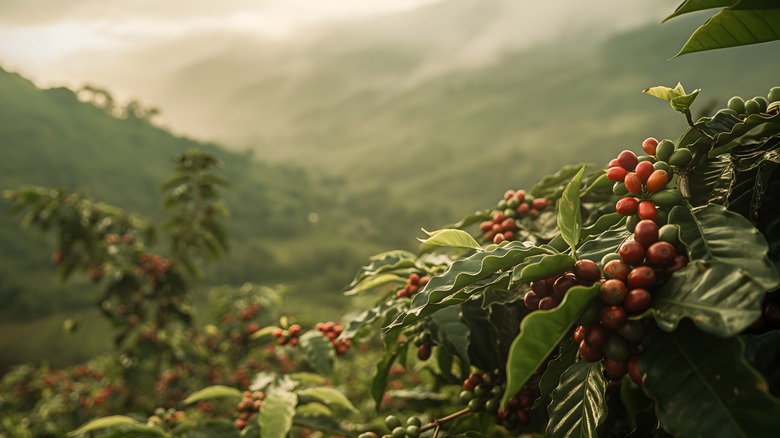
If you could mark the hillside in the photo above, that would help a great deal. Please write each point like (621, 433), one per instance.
(50, 138)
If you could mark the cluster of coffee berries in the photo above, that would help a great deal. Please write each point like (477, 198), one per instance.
(250, 404)
(483, 392)
(630, 276)
(757, 105)
(166, 417)
(504, 223)
(153, 266)
(116, 239)
(398, 429)
(332, 331)
(647, 184)
(289, 336)
(414, 283)
(548, 293)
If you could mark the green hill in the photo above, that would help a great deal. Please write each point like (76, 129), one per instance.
(50, 138)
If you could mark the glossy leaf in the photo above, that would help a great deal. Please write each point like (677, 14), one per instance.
(551, 186)
(749, 22)
(762, 351)
(607, 242)
(460, 274)
(102, 423)
(540, 333)
(451, 333)
(579, 402)
(720, 298)
(689, 6)
(602, 224)
(711, 182)
(702, 385)
(710, 233)
(276, 417)
(569, 215)
(211, 392)
(329, 396)
(552, 374)
(769, 218)
(378, 384)
(746, 129)
(450, 238)
(318, 351)
(354, 323)
(541, 267)
(385, 262)
(374, 282)
(484, 338)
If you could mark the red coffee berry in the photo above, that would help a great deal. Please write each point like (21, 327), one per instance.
(633, 370)
(563, 284)
(643, 170)
(612, 292)
(614, 163)
(660, 254)
(596, 336)
(531, 300)
(649, 145)
(540, 203)
(615, 368)
(641, 277)
(633, 183)
(424, 352)
(616, 174)
(680, 261)
(613, 317)
(587, 271)
(616, 269)
(647, 210)
(637, 301)
(657, 181)
(646, 232)
(627, 206)
(632, 252)
(628, 160)
(548, 303)
(294, 330)
(540, 288)
(579, 333)
(589, 353)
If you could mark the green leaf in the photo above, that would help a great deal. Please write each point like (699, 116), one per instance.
(318, 351)
(484, 340)
(720, 299)
(102, 423)
(323, 423)
(663, 93)
(378, 384)
(763, 353)
(607, 242)
(602, 224)
(440, 290)
(749, 22)
(329, 396)
(374, 282)
(579, 403)
(683, 103)
(551, 186)
(276, 417)
(711, 181)
(384, 262)
(451, 333)
(569, 215)
(702, 385)
(541, 267)
(555, 368)
(744, 131)
(353, 324)
(210, 392)
(450, 238)
(689, 6)
(713, 233)
(540, 333)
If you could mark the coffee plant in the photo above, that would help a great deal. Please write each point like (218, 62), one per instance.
(638, 298)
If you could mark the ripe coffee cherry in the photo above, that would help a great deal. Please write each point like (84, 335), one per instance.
(531, 300)
(615, 368)
(657, 181)
(628, 160)
(660, 254)
(587, 271)
(632, 331)
(589, 353)
(641, 277)
(424, 352)
(637, 301)
(563, 284)
(614, 163)
(540, 288)
(646, 232)
(646, 210)
(644, 169)
(649, 145)
(632, 252)
(613, 317)
(579, 333)
(616, 174)
(679, 262)
(633, 183)
(540, 203)
(548, 303)
(627, 206)
(596, 336)
(612, 292)
(616, 269)
(633, 370)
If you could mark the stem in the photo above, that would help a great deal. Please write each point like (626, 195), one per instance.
(436, 423)
(693, 125)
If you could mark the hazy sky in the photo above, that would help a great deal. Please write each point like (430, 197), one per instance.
(34, 33)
